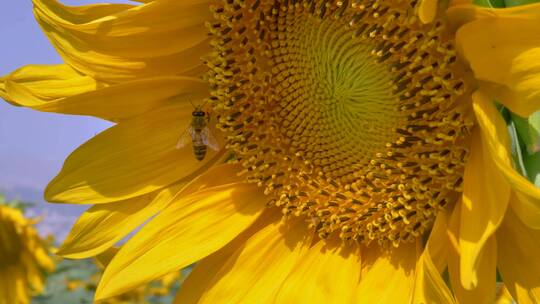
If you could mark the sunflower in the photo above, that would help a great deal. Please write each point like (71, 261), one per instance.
(24, 257)
(361, 154)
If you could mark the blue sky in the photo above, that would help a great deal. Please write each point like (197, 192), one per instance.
(33, 145)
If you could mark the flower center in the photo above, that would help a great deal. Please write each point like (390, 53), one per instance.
(335, 102)
(348, 114)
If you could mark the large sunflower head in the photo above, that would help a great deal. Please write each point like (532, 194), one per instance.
(24, 257)
(356, 142)
(348, 114)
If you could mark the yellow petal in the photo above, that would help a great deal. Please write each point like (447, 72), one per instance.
(131, 98)
(34, 85)
(113, 42)
(437, 246)
(215, 176)
(504, 296)
(314, 279)
(254, 273)
(518, 251)
(189, 229)
(511, 39)
(429, 286)
(62, 90)
(484, 292)
(390, 276)
(202, 276)
(486, 192)
(133, 158)
(527, 204)
(452, 232)
(102, 226)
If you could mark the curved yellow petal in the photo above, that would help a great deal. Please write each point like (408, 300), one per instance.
(129, 99)
(389, 278)
(437, 243)
(135, 157)
(518, 251)
(503, 47)
(202, 276)
(102, 226)
(527, 199)
(34, 85)
(429, 286)
(452, 234)
(254, 273)
(527, 202)
(61, 89)
(113, 43)
(189, 229)
(485, 199)
(314, 278)
(484, 292)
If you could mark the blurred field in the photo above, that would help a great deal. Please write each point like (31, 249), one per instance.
(73, 282)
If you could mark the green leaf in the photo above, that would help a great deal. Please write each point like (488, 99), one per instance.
(516, 148)
(534, 133)
(490, 3)
(529, 132)
(532, 163)
(510, 3)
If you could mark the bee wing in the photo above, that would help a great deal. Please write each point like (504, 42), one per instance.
(185, 138)
(209, 139)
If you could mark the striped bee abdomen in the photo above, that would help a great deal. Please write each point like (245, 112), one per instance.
(199, 151)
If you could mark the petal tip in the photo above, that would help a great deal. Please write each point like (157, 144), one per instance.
(102, 292)
(68, 253)
(50, 194)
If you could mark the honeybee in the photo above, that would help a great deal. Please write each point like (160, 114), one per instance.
(199, 133)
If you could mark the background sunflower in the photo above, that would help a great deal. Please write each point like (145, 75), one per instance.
(24, 256)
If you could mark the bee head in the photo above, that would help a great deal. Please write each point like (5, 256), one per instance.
(198, 113)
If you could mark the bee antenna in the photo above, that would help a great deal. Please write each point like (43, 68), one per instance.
(191, 102)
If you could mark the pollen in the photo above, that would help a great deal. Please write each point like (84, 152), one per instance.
(348, 113)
